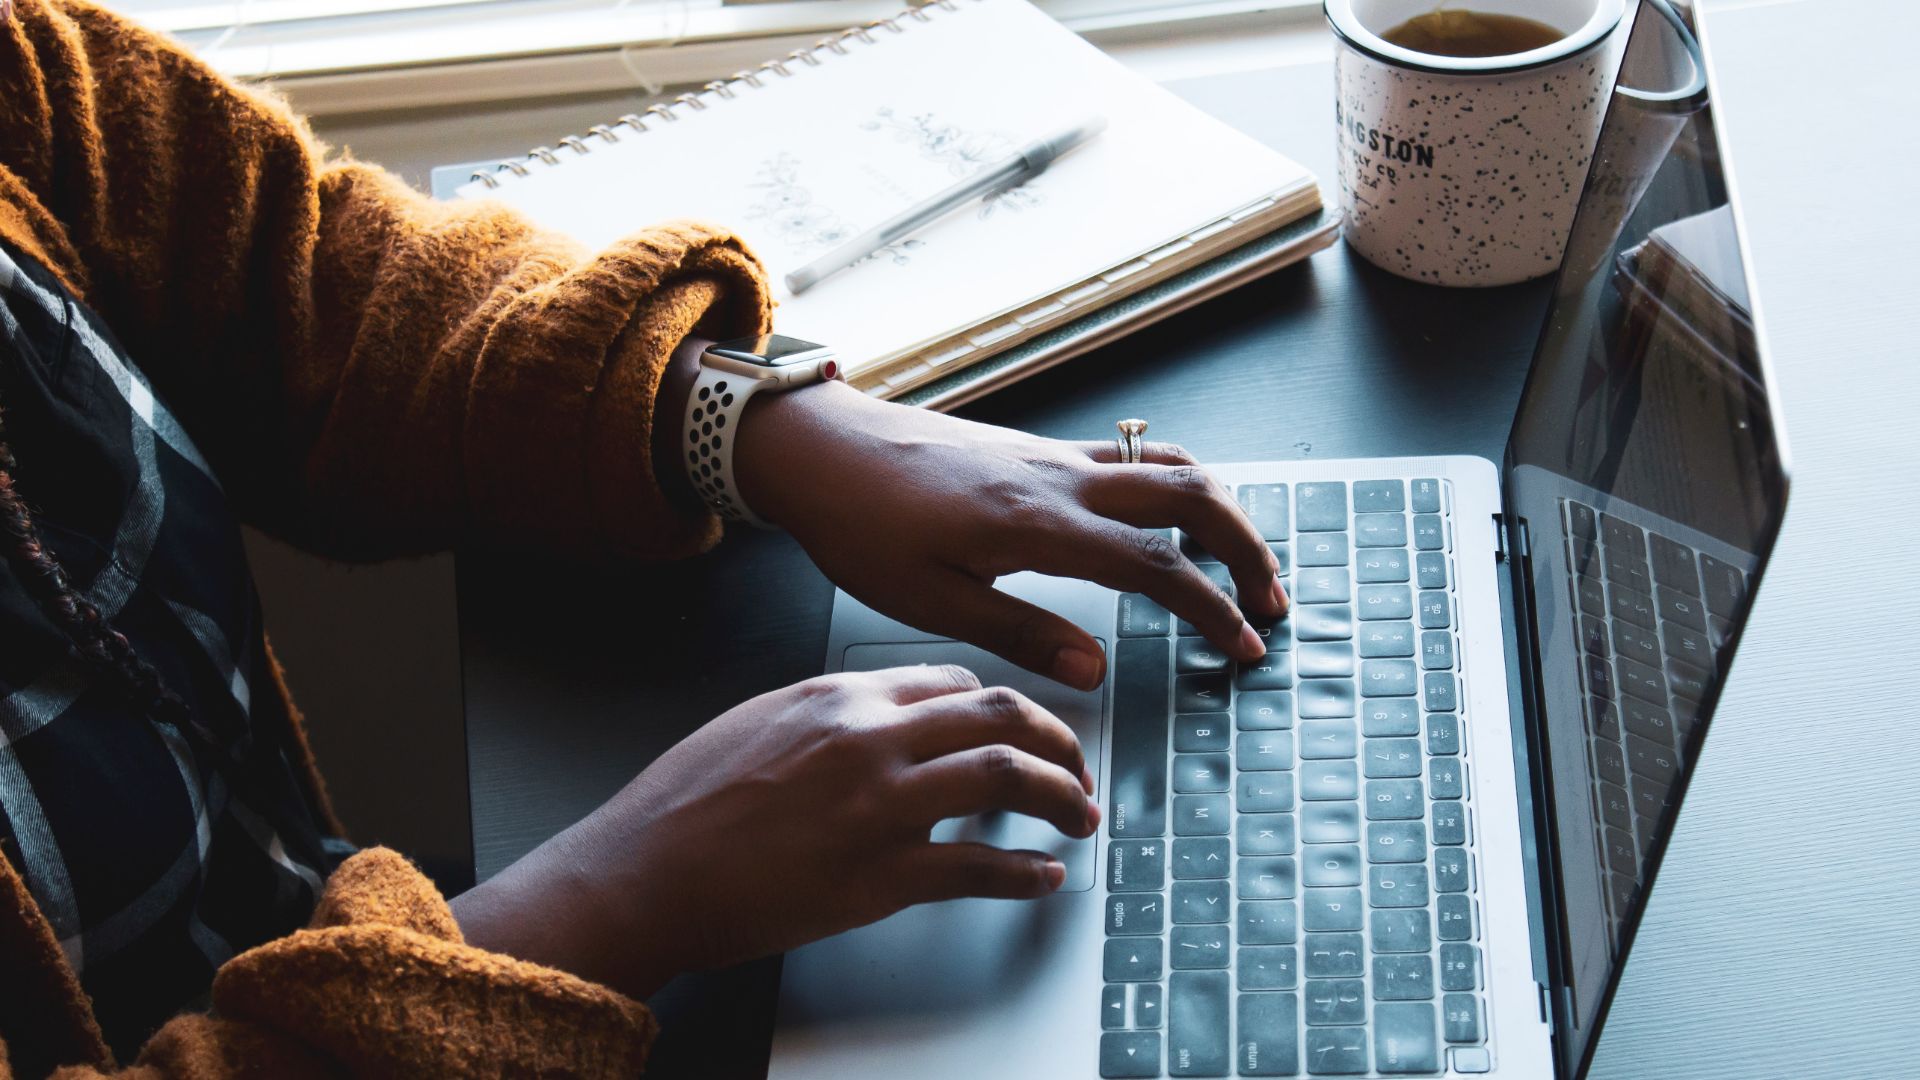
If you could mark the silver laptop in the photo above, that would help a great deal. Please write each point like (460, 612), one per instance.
(1416, 838)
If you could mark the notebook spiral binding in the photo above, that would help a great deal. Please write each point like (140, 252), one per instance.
(718, 89)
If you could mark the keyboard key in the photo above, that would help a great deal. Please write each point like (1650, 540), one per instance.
(1402, 978)
(1125, 1054)
(1389, 716)
(1459, 967)
(1581, 521)
(1673, 565)
(1392, 758)
(1263, 710)
(1688, 682)
(1197, 774)
(1386, 639)
(1396, 842)
(1323, 622)
(1436, 650)
(1193, 948)
(1382, 565)
(1335, 1001)
(1426, 496)
(1332, 910)
(1400, 930)
(1324, 740)
(1132, 914)
(1334, 956)
(1401, 886)
(1264, 793)
(1273, 671)
(1267, 922)
(1370, 496)
(1197, 1024)
(1430, 569)
(1191, 548)
(1443, 734)
(1380, 530)
(1132, 959)
(1403, 1039)
(1385, 602)
(1113, 1005)
(1649, 721)
(1264, 878)
(1389, 678)
(1633, 643)
(1441, 692)
(1329, 823)
(1632, 605)
(1446, 779)
(1201, 857)
(1461, 1018)
(1449, 822)
(1200, 902)
(1136, 866)
(1142, 617)
(1599, 678)
(1328, 781)
(1603, 719)
(1269, 1033)
(1264, 751)
(1320, 507)
(1336, 1051)
(1620, 534)
(1324, 699)
(1651, 761)
(1322, 585)
(1283, 555)
(1201, 815)
(1137, 795)
(1593, 636)
(1676, 606)
(1593, 598)
(1455, 912)
(1627, 572)
(1266, 507)
(1264, 834)
(1428, 533)
(1195, 733)
(1147, 1008)
(1197, 656)
(1324, 660)
(1323, 549)
(1641, 681)
(1725, 586)
(1268, 967)
(1450, 869)
(1395, 800)
(1436, 610)
(1608, 762)
(1331, 864)
(1203, 693)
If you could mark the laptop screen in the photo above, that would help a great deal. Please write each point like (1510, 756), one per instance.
(1644, 461)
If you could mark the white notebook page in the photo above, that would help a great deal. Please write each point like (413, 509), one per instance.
(829, 150)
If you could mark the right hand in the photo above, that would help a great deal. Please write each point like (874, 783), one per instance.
(801, 813)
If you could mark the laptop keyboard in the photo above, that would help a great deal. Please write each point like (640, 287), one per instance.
(1654, 615)
(1290, 879)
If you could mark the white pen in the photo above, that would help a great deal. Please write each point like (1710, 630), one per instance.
(1029, 162)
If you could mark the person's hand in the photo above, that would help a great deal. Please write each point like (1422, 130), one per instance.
(916, 514)
(797, 815)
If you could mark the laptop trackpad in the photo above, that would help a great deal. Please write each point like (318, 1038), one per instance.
(1079, 709)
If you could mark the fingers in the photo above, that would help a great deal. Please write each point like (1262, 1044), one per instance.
(921, 682)
(959, 722)
(934, 872)
(993, 778)
(1188, 498)
(953, 604)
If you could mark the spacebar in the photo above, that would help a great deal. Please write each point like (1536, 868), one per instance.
(1137, 797)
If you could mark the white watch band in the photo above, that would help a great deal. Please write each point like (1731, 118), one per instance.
(712, 421)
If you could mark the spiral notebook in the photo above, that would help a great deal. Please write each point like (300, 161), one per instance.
(805, 151)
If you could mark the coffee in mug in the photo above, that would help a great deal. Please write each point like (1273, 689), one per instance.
(1465, 169)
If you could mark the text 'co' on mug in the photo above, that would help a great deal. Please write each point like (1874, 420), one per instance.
(1465, 170)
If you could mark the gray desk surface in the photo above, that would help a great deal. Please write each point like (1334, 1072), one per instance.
(1779, 940)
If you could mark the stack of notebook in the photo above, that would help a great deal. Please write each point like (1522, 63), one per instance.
(1166, 207)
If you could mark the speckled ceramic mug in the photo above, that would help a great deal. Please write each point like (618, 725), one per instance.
(1466, 170)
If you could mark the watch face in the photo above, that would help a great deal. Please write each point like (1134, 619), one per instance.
(769, 350)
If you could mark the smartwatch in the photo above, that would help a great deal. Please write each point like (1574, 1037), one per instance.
(731, 373)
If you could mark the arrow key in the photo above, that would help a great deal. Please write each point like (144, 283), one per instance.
(1113, 1005)
(1129, 1054)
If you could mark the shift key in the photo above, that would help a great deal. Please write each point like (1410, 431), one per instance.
(1197, 1024)
(1137, 796)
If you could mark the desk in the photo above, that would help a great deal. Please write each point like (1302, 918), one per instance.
(570, 691)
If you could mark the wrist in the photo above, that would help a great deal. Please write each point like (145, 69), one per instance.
(783, 436)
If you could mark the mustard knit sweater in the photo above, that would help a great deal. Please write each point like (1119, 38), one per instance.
(371, 374)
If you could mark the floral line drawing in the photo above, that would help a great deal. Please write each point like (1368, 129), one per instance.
(963, 152)
(803, 224)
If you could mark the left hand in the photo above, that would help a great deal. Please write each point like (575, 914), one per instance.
(916, 514)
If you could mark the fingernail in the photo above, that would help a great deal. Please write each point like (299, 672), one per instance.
(1250, 643)
(1086, 779)
(1056, 874)
(1093, 817)
(1077, 668)
(1280, 596)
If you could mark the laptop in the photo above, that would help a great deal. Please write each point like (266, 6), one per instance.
(1417, 837)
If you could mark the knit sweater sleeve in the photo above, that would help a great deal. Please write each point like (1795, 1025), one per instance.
(369, 372)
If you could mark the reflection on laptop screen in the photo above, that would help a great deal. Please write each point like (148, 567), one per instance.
(1644, 462)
